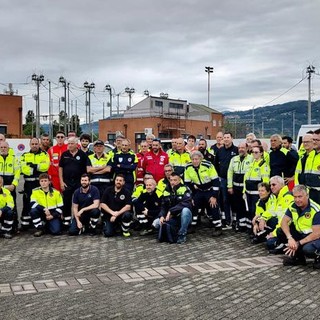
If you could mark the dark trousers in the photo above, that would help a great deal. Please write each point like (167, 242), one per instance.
(67, 203)
(109, 228)
(27, 190)
(238, 206)
(40, 222)
(6, 220)
(88, 219)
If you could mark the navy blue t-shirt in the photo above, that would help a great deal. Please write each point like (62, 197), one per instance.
(86, 199)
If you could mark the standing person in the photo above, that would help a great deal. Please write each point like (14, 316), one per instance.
(85, 208)
(300, 229)
(116, 208)
(32, 164)
(125, 162)
(55, 153)
(10, 172)
(175, 214)
(72, 165)
(202, 179)
(191, 144)
(98, 167)
(219, 143)
(282, 162)
(46, 208)
(222, 160)
(143, 149)
(45, 142)
(149, 139)
(238, 166)
(249, 138)
(85, 140)
(173, 147)
(299, 176)
(203, 148)
(6, 214)
(118, 143)
(180, 158)
(155, 160)
(312, 169)
(258, 171)
(3, 139)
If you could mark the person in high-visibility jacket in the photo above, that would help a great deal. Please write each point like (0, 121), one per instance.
(238, 166)
(10, 171)
(179, 158)
(202, 178)
(46, 207)
(300, 229)
(312, 169)
(280, 201)
(259, 171)
(32, 164)
(6, 214)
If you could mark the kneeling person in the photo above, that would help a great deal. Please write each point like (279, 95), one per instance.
(175, 211)
(6, 214)
(46, 207)
(85, 208)
(115, 208)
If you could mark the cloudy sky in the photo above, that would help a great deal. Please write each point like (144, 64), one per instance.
(259, 49)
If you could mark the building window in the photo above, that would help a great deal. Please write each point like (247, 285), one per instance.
(214, 123)
(158, 103)
(140, 136)
(111, 137)
(220, 123)
(3, 129)
(175, 105)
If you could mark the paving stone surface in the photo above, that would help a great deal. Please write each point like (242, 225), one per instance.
(137, 278)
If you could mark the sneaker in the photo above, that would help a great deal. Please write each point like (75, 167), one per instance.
(126, 234)
(6, 235)
(146, 232)
(38, 233)
(182, 239)
(217, 232)
(293, 261)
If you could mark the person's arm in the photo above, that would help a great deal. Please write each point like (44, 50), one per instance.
(314, 235)
(62, 184)
(292, 243)
(75, 210)
(94, 205)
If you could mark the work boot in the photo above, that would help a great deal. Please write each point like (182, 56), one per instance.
(294, 261)
(6, 235)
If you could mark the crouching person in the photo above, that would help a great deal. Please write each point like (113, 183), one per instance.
(175, 214)
(46, 208)
(85, 208)
(300, 228)
(115, 207)
(6, 213)
(148, 206)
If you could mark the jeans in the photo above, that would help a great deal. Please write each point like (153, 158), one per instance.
(184, 220)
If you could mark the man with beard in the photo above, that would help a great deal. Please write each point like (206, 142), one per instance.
(72, 165)
(179, 158)
(46, 208)
(33, 163)
(85, 208)
(115, 207)
(85, 140)
(237, 168)
(203, 148)
(155, 160)
(201, 177)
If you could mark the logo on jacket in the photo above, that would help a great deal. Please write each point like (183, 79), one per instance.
(307, 215)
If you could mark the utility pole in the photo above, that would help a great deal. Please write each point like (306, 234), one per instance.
(109, 89)
(38, 79)
(310, 70)
(253, 119)
(63, 81)
(293, 124)
(89, 88)
(208, 70)
(50, 113)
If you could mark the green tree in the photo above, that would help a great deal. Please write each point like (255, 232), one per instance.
(29, 129)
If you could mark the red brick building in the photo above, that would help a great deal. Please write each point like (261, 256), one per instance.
(165, 118)
(11, 115)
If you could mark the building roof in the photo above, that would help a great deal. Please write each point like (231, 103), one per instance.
(202, 107)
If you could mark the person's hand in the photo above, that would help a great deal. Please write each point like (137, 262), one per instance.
(289, 252)
(161, 220)
(113, 219)
(230, 190)
(213, 202)
(79, 224)
(168, 216)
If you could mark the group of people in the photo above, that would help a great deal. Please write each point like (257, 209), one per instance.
(272, 194)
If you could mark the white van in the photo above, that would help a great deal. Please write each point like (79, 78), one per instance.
(303, 130)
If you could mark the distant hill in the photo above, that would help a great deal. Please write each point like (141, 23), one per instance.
(284, 119)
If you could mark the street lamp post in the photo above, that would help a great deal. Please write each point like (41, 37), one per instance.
(38, 79)
(63, 81)
(310, 70)
(208, 70)
(109, 89)
(89, 87)
(130, 92)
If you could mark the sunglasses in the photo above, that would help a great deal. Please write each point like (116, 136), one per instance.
(60, 137)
